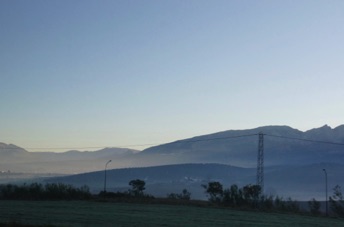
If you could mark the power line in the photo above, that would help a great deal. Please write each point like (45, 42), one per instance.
(179, 141)
(306, 140)
(135, 145)
(210, 139)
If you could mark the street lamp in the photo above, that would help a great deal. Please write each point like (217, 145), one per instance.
(105, 175)
(326, 191)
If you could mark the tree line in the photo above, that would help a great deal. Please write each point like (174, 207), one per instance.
(36, 191)
(246, 197)
(250, 196)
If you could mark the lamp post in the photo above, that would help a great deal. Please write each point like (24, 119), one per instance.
(326, 191)
(105, 175)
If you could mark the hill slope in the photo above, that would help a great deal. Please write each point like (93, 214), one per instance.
(299, 182)
(239, 147)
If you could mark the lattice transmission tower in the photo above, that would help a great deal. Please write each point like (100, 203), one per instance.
(260, 162)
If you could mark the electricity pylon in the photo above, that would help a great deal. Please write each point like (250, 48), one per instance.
(260, 162)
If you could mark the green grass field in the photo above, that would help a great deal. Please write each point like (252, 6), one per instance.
(91, 213)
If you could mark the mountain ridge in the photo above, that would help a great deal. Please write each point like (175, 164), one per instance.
(282, 144)
(231, 147)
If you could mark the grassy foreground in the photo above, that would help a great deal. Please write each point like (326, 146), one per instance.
(91, 213)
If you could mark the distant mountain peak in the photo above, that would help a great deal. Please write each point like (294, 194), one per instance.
(325, 127)
(11, 148)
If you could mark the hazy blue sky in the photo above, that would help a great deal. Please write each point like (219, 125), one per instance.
(86, 73)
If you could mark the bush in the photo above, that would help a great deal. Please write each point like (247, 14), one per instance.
(185, 195)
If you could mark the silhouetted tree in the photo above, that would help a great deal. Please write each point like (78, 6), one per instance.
(267, 202)
(185, 195)
(292, 205)
(251, 194)
(337, 202)
(137, 187)
(233, 196)
(215, 191)
(279, 203)
(314, 207)
(288, 205)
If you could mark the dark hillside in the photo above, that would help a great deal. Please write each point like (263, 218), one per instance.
(299, 182)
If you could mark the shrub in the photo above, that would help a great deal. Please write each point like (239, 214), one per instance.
(314, 207)
(185, 195)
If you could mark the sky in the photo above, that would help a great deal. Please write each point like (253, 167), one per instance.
(84, 74)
